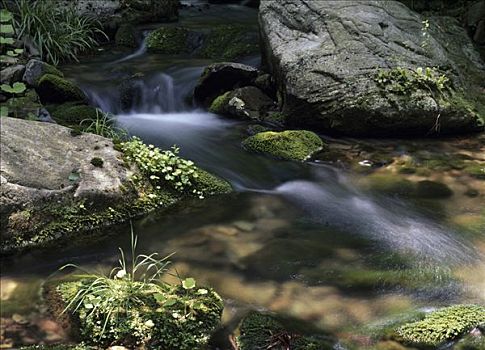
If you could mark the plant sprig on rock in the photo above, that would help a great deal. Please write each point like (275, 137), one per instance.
(163, 166)
(404, 81)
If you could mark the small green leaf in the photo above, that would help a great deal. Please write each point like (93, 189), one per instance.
(170, 302)
(18, 51)
(5, 15)
(188, 283)
(6, 29)
(6, 41)
(3, 111)
(160, 298)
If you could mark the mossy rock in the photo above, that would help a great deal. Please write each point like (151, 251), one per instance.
(229, 42)
(219, 104)
(211, 184)
(168, 40)
(265, 331)
(24, 107)
(443, 325)
(59, 347)
(289, 145)
(126, 36)
(71, 114)
(35, 69)
(160, 315)
(55, 89)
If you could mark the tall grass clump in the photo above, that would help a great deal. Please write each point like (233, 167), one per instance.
(131, 306)
(103, 125)
(59, 32)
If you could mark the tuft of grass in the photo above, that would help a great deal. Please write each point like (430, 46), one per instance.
(59, 32)
(102, 125)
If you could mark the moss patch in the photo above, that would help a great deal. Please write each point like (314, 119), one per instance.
(443, 325)
(55, 89)
(229, 42)
(168, 40)
(159, 315)
(264, 331)
(290, 145)
(126, 36)
(72, 114)
(218, 105)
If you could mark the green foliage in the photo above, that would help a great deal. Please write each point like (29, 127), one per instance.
(129, 307)
(168, 40)
(443, 325)
(3, 111)
(6, 35)
(55, 89)
(15, 89)
(404, 81)
(102, 125)
(289, 144)
(59, 32)
(163, 167)
(217, 106)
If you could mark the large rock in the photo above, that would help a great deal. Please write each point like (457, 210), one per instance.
(326, 57)
(219, 78)
(46, 169)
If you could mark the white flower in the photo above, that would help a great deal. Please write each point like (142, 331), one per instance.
(149, 324)
(120, 274)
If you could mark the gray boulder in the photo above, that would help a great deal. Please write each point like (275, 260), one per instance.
(219, 78)
(352, 67)
(36, 69)
(12, 74)
(46, 173)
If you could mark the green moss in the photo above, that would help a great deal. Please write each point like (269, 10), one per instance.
(264, 331)
(277, 118)
(218, 105)
(158, 316)
(125, 36)
(72, 114)
(210, 184)
(55, 89)
(97, 162)
(475, 170)
(168, 40)
(290, 145)
(443, 325)
(229, 42)
(59, 347)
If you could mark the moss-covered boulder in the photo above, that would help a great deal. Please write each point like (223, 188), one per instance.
(35, 69)
(53, 195)
(168, 40)
(244, 103)
(23, 107)
(443, 325)
(142, 314)
(126, 35)
(266, 331)
(55, 89)
(72, 114)
(290, 144)
(229, 42)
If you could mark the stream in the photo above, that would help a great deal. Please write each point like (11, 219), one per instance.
(305, 239)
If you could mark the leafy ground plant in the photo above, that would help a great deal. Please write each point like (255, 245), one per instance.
(59, 32)
(131, 306)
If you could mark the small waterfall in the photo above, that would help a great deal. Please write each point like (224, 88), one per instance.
(142, 49)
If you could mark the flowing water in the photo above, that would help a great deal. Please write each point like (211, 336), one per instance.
(308, 240)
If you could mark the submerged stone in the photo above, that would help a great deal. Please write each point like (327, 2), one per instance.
(289, 145)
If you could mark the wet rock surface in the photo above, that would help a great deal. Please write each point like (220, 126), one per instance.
(326, 62)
